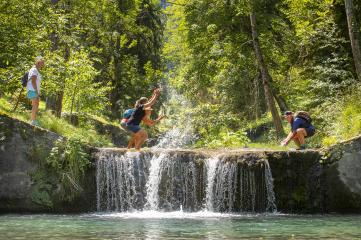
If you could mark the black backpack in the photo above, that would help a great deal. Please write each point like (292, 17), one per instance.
(304, 115)
(24, 79)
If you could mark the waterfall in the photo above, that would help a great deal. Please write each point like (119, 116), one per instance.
(211, 164)
(271, 199)
(165, 180)
(121, 180)
(239, 186)
(154, 181)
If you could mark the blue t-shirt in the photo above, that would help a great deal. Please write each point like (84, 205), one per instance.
(300, 123)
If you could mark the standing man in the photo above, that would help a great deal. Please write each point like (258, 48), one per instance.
(301, 128)
(33, 88)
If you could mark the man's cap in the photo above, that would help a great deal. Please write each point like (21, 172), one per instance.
(286, 113)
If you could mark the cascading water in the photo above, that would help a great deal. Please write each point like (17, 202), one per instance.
(271, 198)
(177, 183)
(175, 180)
(121, 180)
(154, 181)
(235, 186)
(211, 165)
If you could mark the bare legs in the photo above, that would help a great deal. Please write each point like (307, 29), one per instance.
(35, 108)
(299, 138)
(131, 142)
(138, 139)
(143, 136)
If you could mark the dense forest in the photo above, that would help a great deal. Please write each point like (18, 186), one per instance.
(236, 64)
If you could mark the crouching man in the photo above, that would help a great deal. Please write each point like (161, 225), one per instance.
(301, 128)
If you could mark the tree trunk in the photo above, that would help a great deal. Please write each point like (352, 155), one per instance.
(54, 102)
(256, 95)
(265, 78)
(50, 102)
(281, 102)
(115, 94)
(353, 33)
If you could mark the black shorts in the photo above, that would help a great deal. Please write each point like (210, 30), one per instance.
(310, 131)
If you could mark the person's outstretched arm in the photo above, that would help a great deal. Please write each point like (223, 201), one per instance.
(149, 122)
(153, 98)
(290, 136)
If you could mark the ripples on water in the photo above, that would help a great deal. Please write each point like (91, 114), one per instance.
(179, 225)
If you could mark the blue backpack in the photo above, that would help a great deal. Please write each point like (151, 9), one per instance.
(128, 113)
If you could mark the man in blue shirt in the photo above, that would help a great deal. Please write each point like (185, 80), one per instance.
(300, 129)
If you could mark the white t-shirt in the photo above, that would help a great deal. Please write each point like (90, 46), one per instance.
(34, 72)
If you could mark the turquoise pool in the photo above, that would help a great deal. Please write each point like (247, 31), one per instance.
(179, 225)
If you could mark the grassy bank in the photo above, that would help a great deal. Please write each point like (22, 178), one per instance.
(84, 132)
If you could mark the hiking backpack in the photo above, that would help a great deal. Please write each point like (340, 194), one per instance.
(128, 113)
(304, 115)
(25, 79)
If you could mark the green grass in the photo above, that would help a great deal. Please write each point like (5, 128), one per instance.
(60, 126)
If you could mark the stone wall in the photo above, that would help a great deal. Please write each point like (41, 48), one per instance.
(23, 149)
(342, 176)
(297, 181)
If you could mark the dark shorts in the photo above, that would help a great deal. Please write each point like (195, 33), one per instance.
(310, 131)
(133, 128)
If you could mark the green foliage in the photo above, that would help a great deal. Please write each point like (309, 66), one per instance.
(122, 41)
(59, 176)
(81, 93)
(42, 189)
(305, 46)
(214, 126)
(69, 160)
(85, 132)
(224, 138)
(344, 121)
(101, 56)
(349, 120)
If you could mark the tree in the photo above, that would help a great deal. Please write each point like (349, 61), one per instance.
(353, 31)
(265, 77)
(81, 93)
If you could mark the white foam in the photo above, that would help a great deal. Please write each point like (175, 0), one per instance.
(177, 215)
